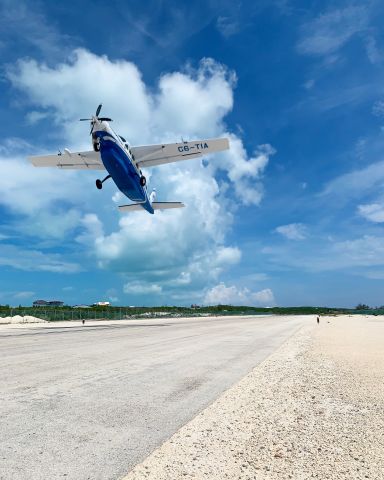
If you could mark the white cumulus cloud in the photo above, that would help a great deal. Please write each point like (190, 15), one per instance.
(221, 294)
(172, 249)
(141, 288)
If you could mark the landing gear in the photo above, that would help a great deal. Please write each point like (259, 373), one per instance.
(99, 183)
(143, 181)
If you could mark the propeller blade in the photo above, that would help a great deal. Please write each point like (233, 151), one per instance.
(95, 118)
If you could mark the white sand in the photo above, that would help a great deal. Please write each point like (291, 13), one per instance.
(314, 409)
(20, 319)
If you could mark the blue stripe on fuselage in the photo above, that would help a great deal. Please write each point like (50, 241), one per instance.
(123, 173)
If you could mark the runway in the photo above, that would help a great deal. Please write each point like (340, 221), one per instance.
(90, 402)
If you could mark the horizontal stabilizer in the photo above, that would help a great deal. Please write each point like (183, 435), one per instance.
(166, 205)
(133, 207)
(155, 205)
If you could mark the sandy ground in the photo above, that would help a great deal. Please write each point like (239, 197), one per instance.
(313, 409)
(21, 319)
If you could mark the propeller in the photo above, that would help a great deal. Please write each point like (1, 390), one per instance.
(100, 119)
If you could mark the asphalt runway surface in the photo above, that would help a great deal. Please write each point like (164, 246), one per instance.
(90, 402)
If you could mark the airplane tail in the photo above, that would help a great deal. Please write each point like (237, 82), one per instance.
(155, 205)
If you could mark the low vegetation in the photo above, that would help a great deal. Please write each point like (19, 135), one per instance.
(117, 313)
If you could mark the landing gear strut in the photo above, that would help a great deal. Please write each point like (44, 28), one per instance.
(99, 183)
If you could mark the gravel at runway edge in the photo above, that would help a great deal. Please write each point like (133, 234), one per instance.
(311, 410)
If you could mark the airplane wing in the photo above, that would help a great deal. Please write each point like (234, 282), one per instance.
(153, 155)
(70, 160)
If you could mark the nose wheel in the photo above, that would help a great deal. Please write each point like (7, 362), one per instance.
(99, 183)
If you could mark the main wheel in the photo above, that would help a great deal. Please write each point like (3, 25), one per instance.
(99, 184)
(143, 181)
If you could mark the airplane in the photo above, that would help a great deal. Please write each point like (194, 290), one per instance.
(123, 162)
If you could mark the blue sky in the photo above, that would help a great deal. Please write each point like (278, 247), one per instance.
(292, 215)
